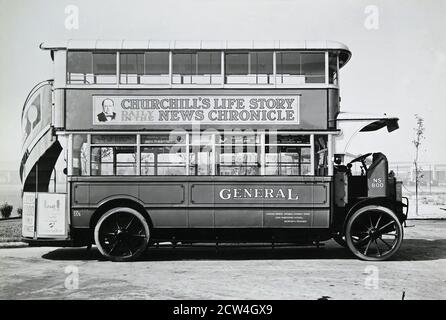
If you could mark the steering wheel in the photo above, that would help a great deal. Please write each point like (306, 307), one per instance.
(362, 160)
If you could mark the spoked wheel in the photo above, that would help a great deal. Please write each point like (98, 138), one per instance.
(374, 233)
(122, 234)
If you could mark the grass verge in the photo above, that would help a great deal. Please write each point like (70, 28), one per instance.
(10, 230)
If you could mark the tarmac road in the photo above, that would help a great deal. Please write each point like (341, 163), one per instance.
(418, 270)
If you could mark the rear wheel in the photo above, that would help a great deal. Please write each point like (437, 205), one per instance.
(122, 234)
(374, 233)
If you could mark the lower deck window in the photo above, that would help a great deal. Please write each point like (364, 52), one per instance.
(239, 161)
(321, 155)
(253, 154)
(201, 160)
(162, 161)
(80, 155)
(108, 161)
(286, 161)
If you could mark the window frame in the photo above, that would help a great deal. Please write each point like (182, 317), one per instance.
(114, 162)
(158, 78)
(213, 144)
(194, 77)
(218, 80)
(250, 74)
(68, 73)
(93, 75)
(280, 74)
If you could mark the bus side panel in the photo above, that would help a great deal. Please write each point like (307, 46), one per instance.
(152, 195)
(252, 203)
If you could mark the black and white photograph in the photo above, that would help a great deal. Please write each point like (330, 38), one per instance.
(224, 156)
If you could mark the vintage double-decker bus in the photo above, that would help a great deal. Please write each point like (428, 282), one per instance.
(139, 142)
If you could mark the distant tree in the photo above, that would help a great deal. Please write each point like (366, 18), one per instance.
(19, 212)
(419, 136)
(6, 210)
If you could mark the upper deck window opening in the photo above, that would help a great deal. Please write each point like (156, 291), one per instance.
(144, 67)
(104, 67)
(300, 67)
(80, 67)
(249, 67)
(203, 67)
(333, 68)
(261, 65)
(85, 67)
(131, 66)
(313, 67)
(156, 63)
(237, 63)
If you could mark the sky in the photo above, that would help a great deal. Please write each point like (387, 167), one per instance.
(398, 65)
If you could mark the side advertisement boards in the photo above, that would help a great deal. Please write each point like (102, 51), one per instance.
(121, 109)
(203, 109)
(28, 214)
(51, 215)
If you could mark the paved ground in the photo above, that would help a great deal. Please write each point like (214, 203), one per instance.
(418, 269)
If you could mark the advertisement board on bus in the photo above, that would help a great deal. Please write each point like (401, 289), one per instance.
(205, 109)
(45, 215)
(100, 109)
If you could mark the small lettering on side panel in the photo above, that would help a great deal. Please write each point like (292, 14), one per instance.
(292, 219)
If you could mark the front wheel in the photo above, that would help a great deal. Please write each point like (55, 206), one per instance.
(122, 234)
(374, 233)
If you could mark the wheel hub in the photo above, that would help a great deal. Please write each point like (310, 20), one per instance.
(372, 232)
(122, 234)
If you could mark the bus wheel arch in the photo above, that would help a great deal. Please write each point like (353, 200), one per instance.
(378, 201)
(119, 202)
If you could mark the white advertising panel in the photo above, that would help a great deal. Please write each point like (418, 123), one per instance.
(28, 214)
(204, 109)
(51, 215)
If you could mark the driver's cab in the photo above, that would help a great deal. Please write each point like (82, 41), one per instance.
(372, 181)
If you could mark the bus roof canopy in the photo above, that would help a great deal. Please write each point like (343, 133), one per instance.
(345, 53)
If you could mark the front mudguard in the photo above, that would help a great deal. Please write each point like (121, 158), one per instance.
(396, 206)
